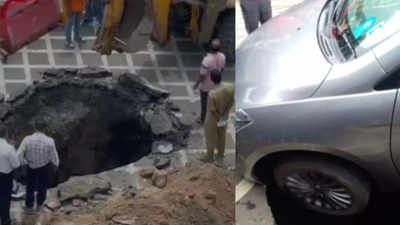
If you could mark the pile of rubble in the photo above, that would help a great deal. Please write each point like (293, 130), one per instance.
(200, 194)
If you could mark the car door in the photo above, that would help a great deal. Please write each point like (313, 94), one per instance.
(388, 54)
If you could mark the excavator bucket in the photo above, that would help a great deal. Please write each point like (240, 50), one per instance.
(126, 27)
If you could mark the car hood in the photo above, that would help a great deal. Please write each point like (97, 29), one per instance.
(281, 60)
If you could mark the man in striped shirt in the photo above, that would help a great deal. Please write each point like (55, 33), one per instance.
(38, 151)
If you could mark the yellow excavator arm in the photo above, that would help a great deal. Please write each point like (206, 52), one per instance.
(124, 22)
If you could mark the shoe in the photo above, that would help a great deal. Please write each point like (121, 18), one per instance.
(206, 159)
(39, 208)
(69, 45)
(29, 210)
(81, 42)
(219, 162)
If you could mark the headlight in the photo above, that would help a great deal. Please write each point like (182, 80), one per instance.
(242, 119)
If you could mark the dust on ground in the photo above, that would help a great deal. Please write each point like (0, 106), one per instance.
(194, 195)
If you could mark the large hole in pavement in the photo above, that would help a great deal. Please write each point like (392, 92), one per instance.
(98, 123)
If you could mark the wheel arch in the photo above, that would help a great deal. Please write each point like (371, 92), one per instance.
(262, 169)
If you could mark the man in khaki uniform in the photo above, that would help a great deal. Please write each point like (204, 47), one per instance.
(220, 101)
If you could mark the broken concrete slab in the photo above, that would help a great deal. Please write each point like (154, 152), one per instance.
(83, 187)
(161, 162)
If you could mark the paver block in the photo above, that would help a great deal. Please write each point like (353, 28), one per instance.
(57, 44)
(187, 46)
(167, 60)
(14, 74)
(172, 75)
(92, 59)
(192, 60)
(168, 47)
(38, 58)
(15, 88)
(117, 60)
(15, 59)
(37, 45)
(65, 58)
(142, 59)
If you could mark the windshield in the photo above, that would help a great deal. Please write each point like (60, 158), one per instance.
(361, 24)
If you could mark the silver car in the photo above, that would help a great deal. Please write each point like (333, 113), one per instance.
(318, 105)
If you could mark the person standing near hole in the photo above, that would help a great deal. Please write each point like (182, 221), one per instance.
(220, 102)
(8, 163)
(255, 12)
(39, 152)
(214, 60)
(74, 9)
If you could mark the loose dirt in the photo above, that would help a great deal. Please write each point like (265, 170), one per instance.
(195, 195)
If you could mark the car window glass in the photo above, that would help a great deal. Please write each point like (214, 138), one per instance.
(370, 21)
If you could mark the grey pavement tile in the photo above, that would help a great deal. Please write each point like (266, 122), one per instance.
(192, 60)
(57, 44)
(88, 44)
(117, 60)
(167, 60)
(38, 58)
(37, 45)
(148, 74)
(172, 75)
(140, 59)
(66, 58)
(193, 75)
(14, 74)
(176, 90)
(15, 88)
(58, 31)
(92, 59)
(168, 47)
(36, 73)
(187, 46)
(15, 59)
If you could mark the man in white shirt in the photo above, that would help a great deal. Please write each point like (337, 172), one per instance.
(38, 151)
(8, 163)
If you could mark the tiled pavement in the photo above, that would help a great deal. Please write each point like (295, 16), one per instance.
(174, 67)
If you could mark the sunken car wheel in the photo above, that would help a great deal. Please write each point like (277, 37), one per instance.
(323, 186)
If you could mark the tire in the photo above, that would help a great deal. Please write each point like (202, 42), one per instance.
(318, 184)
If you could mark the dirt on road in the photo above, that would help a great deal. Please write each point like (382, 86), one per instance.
(195, 195)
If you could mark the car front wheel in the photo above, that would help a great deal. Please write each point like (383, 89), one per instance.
(323, 186)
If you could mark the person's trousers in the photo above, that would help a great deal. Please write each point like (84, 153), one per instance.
(5, 197)
(215, 138)
(94, 9)
(203, 100)
(37, 180)
(73, 24)
(254, 12)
